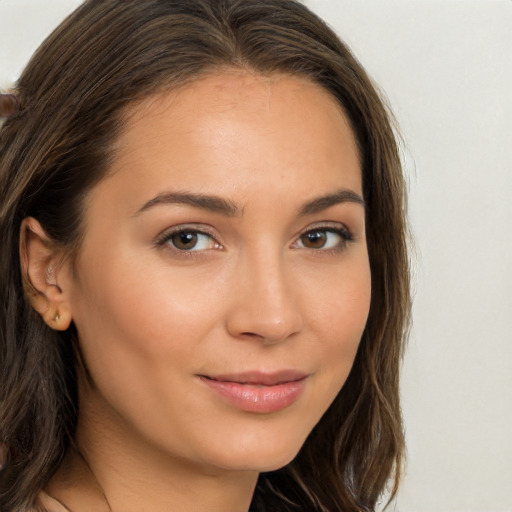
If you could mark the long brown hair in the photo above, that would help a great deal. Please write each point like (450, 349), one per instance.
(74, 91)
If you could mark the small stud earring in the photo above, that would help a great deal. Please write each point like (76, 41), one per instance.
(57, 317)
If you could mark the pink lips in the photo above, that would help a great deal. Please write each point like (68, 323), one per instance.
(256, 391)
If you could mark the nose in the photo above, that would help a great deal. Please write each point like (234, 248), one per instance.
(265, 306)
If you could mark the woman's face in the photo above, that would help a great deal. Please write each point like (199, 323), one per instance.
(223, 283)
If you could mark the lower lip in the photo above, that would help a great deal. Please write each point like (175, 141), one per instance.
(254, 398)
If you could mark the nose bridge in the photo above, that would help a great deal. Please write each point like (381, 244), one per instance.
(265, 303)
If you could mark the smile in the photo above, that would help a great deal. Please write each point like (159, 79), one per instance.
(258, 392)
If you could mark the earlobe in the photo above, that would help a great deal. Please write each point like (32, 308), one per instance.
(42, 266)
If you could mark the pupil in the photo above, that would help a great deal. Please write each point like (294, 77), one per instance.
(315, 239)
(184, 240)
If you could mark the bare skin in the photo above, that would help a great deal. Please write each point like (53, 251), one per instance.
(229, 238)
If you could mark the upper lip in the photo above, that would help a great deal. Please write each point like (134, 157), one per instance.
(260, 378)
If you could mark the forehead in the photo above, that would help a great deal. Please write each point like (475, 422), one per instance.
(233, 87)
(237, 134)
(240, 99)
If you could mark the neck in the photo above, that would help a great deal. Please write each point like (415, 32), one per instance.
(119, 471)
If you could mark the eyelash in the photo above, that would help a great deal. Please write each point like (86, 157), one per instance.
(342, 232)
(166, 237)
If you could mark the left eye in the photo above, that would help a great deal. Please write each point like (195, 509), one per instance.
(190, 240)
(323, 239)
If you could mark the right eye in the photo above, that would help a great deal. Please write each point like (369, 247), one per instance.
(189, 240)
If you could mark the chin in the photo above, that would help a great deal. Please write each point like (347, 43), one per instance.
(262, 457)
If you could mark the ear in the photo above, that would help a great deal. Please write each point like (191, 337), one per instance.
(43, 269)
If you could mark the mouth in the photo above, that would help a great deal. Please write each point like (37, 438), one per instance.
(256, 378)
(258, 392)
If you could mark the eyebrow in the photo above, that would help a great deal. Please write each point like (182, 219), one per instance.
(322, 203)
(226, 207)
(210, 203)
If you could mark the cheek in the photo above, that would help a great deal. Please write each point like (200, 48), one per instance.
(140, 305)
(342, 313)
(141, 337)
(340, 296)
(144, 331)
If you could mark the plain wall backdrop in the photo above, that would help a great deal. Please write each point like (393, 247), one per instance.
(446, 68)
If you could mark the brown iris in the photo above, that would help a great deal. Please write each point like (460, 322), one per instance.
(184, 240)
(314, 239)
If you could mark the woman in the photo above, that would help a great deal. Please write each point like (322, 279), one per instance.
(203, 266)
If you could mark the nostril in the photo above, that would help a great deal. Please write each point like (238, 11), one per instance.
(250, 334)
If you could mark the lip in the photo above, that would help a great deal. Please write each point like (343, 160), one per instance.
(258, 392)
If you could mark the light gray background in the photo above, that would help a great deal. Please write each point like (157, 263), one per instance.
(446, 67)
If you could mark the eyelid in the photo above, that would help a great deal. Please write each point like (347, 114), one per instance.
(201, 229)
(328, 226)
